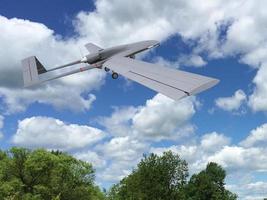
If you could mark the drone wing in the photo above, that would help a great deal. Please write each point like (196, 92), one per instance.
(173, 83)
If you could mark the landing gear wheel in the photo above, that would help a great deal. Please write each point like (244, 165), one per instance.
(106, 69)
(114, 75)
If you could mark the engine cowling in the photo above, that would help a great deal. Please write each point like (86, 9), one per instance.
(91, 58)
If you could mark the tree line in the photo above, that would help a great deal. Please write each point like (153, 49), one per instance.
(53, 175)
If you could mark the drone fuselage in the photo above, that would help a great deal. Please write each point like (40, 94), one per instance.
(128, 50)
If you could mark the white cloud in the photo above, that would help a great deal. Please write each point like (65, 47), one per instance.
(232, 103)
(214, 147)
(160, 118)
(257, 137)
(250, 191)
(123, 148)
(257, 100)
(192, 60)
(197, 152)
(214, 141)
(91, 157)
(151, 19)
(59, 96)
(166, 63)
(239, 158)
(52, 133)
(120, 120)
(237, 41)
(115, 172)
(123, 153)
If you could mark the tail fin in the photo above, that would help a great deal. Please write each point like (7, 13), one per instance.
(32, 68)
(92, 48)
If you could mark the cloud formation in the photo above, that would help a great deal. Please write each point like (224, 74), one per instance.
(161, 118)
(232, 103)
(51, 133)
(257, 137)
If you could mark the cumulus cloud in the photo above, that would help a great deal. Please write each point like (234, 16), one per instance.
(123, 148)
(160, 118)
(119, 123)
(17, 100)
(166, 63)
(214, 147)
(257, 137)
(192, 60)
(257, 100)
(52, 133)
(163, 118)
(232, 103)
(255, 190)
(123, 153)
(91, 157)
(239, 158)
(115, 158)
(213, 141)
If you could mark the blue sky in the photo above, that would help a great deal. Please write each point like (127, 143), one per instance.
(112, 123)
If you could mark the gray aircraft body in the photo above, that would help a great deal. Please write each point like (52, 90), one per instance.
(173, 83)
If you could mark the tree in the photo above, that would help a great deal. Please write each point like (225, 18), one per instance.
(209, 184)
(44, 175)
(156, 177)
(165, 178)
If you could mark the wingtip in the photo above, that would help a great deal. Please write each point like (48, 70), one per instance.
(205, 86)
(214, 82)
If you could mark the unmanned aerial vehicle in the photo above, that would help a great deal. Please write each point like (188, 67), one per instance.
(120, 60)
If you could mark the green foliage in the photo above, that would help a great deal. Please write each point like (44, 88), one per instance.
(156, 177)
(209, 184)
(44, 175)
(165, 178)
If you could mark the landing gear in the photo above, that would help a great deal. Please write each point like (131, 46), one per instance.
(106, 69)
(115, 75)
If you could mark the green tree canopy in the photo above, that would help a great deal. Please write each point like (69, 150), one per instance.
(45, 175)
(165, 178)
(209, 184)
(156, 177)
